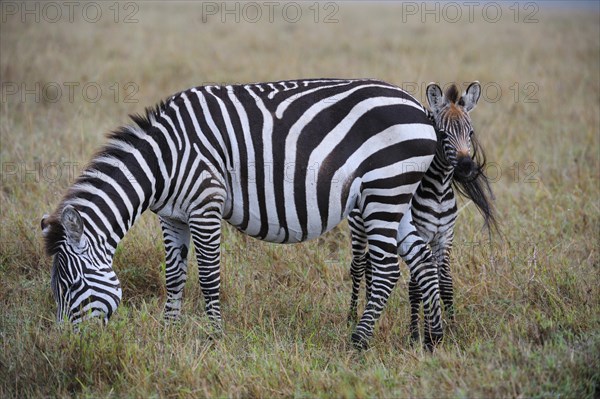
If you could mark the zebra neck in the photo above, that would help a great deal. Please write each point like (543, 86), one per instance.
(440, 171)
(118, 185)
(440, 165)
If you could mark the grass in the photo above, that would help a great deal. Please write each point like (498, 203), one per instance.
(528, 307)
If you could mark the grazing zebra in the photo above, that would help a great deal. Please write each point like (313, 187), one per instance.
(283, 162)
(459, 160)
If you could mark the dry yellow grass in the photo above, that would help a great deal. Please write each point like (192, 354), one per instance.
(528, 307)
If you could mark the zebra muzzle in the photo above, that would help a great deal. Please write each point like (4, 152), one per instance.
(465, 168)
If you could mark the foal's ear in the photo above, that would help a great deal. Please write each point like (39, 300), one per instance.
(471, 96)
(435, 97)
(72, 223)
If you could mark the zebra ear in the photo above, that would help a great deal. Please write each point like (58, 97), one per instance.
(72, 223)
(435, 97)
(45, 225)
(471, 96)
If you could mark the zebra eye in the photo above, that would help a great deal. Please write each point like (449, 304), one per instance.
(471, 133)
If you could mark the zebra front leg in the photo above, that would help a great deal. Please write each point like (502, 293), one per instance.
(206, 234)
(447, 291)
(176, 235)
(442, 252)
(359, 261)
(358, 266)
(424, 277)
(424, 271)
(385, 274)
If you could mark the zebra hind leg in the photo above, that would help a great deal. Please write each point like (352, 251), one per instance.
(176, 235)
(415, 297)
(385, 274)
(369, 280)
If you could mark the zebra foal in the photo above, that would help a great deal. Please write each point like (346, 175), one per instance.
(427, 229)
(283, 162)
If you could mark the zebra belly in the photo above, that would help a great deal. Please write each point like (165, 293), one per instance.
(287, 228)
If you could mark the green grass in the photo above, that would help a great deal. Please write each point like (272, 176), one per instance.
(528, 305)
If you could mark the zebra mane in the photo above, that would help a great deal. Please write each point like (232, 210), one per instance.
(53, 231)
(452, 93)
(150, 114)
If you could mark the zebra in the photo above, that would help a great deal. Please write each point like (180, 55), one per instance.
(283, 162)
(427, 238)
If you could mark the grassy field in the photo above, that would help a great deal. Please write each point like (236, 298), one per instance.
(528, 304)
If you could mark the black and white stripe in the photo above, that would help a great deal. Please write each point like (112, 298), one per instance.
(426, 232)
(283, 162)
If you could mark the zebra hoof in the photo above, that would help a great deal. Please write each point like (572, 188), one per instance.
(360, 341)
(215, 330)
(352, 319)
(415, 337)
(451, 317)
(432, 341)
(171, 319)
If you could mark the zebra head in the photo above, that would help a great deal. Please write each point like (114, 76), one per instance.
(458, 147)
(453, 123)
(83, 282)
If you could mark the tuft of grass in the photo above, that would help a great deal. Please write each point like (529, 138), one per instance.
(527, 303)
